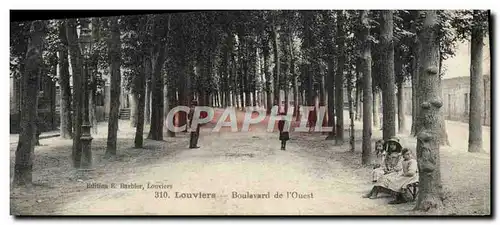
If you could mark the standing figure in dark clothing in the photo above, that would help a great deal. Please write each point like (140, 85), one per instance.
(312, 119)
(195, 134)
(284, 135)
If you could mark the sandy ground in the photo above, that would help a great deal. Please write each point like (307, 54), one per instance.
(328, 177)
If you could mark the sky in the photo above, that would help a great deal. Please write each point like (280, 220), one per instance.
(459, 66)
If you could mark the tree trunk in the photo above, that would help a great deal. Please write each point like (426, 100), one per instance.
(171, 91)
(157, 61)
(339, 80)
(262, 89)
(30, 77)
(65, 93)
(430, 186)
(376, 107)
(416, 124)
(367, 90)
(330, 76)
(227, 69)
(172, 88)
(241, 76)
(166, 89)
(357, 101)
(141, 102)
(114, 109)
(310, 91)
(77, 72)
(398, 67)
(476, 89)
(133, 108)
(351, 111)
(401, 110)
(147, 113)
(414, 90)
(276, 65)
(254, 101)
(288, 69)
(234, 80)
(182, 116)
(267, 75)
(322, 91)
(92, 105)
(387, 69)
(156, 128)
(93, 76)
(295, 86)
(296, 93)
(53, 97)
(331, 98)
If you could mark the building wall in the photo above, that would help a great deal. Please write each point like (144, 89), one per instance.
(456, 94)
(456, 84)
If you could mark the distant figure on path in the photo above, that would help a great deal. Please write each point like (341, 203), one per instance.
(312, 119)
(284, 135)
(195, 134)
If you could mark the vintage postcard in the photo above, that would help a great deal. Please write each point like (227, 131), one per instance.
(250, 112)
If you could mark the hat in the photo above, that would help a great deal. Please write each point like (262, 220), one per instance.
(394, 140)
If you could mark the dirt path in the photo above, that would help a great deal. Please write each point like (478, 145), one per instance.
(327, 176)
(240, 162)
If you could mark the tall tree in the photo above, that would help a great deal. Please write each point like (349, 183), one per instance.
(93, 73)
(30, 80)
(339, 79)
(352, 67)
(350, 77)
(430, 187)
(147, 111)
(19, 39)
(77, 72)
(307, 47)
(447, 45)
(65, 109)
(161, 27)
(415, 73)
(399, 77)
(267, 73)
(387, 69)
(330, 77)
(141, 103)
(276, 59)
(293, 72)
(367, 89)
(114, 44)
(479, 27)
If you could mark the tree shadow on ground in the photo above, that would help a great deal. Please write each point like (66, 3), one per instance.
(56, 182)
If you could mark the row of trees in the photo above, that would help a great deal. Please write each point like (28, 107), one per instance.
(244, 59)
